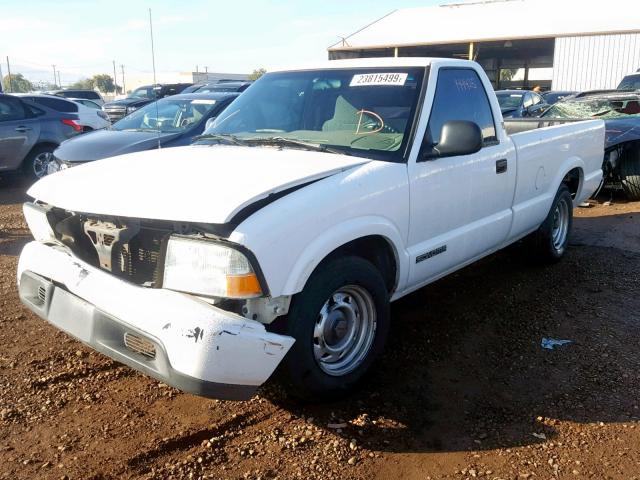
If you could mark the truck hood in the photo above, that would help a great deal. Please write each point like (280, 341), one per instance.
(199, 183)
(109, 143)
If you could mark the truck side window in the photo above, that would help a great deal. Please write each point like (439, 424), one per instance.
(460, 95)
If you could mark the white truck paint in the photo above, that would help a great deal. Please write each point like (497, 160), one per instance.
(286, 209)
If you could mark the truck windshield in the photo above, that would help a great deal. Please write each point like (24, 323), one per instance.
(365, 112)
(170, 115)
(142, 92)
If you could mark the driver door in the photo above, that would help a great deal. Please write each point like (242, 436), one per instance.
(460, 204)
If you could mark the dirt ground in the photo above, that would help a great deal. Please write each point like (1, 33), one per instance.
(464, 391)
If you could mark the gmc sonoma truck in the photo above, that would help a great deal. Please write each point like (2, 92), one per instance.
(278, 240)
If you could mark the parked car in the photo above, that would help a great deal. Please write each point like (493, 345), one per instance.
(554, 96)
(29, 133)
(89, 118)
(630, 82)
(79, 93)
(87, 103)
(140, 97)
(621, 114)
(174, 121)
(520, 103)
(316, 198)
(218, 87)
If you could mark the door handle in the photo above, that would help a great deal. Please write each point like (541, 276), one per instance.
(22, 129)
(501, 165)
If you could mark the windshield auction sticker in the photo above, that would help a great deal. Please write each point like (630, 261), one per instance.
(368, 79)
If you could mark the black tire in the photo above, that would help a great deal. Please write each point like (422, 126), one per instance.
(630, 174)
(31, 166)
(300, 372)
(542, 245)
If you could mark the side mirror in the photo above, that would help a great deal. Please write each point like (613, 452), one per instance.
(458, 137)
(209, 123)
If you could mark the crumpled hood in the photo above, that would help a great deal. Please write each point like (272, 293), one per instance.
(198, 183)
(109, 143)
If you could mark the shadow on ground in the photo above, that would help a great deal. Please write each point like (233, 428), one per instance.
(464, 368)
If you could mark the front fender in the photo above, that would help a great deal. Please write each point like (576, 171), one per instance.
(340, 235)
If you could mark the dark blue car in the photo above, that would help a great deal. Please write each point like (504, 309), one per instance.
(170, 122)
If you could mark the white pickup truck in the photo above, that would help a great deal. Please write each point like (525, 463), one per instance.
(278, 239)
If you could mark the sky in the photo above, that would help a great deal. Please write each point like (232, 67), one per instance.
(82, 38)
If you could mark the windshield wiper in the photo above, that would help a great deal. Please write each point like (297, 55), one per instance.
(290, 142)
(221, 137)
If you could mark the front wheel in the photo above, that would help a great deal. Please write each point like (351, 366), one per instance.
(549, 243)
(340, 323)
(35, 164)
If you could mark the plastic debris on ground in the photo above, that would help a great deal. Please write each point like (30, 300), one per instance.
(549, 343)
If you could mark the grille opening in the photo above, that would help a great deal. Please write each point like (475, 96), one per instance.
(137, 261)
(42, 295)
(139, 345)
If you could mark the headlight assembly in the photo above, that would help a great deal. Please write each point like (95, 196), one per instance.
(207, 268)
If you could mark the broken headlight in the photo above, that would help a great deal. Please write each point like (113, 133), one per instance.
(207, 268)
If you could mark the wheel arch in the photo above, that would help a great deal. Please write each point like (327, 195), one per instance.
(371, 238)
(38, 145)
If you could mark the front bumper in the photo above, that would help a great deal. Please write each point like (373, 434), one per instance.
(176, 338)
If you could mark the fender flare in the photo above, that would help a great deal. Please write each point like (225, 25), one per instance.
(569, 164)
(340, 235)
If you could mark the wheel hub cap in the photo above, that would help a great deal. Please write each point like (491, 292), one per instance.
(344, 330)
(560, 225)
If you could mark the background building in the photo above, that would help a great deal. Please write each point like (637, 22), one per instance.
(559, 44)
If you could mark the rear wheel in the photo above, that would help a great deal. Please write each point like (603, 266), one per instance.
(630, 174)
(549, 243)
(35, 165)
(340, 322)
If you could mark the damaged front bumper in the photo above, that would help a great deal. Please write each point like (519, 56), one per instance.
(176, 338)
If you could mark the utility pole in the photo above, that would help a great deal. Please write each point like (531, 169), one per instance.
(115, 80)
(1, 77)
(124, 90)
(9, 70)
(59, 79)
(54, 76)
(206, 69)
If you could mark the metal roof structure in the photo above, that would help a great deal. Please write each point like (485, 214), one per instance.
(495, 20)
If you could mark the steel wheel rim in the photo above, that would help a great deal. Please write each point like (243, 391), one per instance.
(344, 330)
(560, 224)
(40, 164)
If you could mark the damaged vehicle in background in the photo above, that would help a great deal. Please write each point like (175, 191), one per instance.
(621, 114)
(175, 121)
(279, 239)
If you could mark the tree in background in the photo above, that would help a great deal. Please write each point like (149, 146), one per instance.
(105, 84)
(257, 73)
(19, 84)
(102, 82)
(83, 84)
